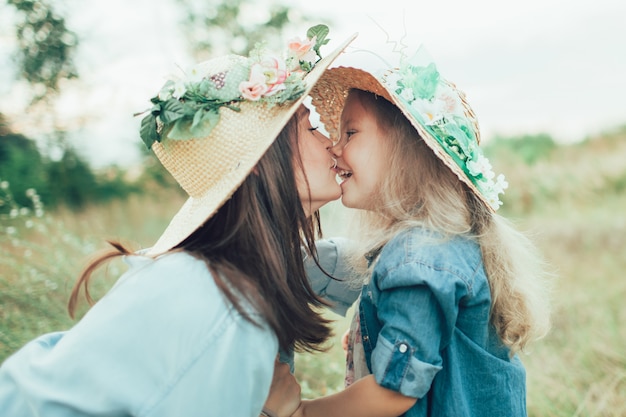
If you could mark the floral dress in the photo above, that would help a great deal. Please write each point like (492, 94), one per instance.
(356, 365)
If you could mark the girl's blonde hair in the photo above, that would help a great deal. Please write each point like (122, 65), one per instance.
(420, 190)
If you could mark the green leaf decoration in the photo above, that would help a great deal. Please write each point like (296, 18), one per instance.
(422, 80)
(321, 32)
(171, 111)
(204, 122)
(148, 130)
(180, 130)
(196, 113)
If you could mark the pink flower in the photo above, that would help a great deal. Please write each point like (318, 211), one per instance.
(274, 72)
(254, 88)
(300, 47)
(301, 50)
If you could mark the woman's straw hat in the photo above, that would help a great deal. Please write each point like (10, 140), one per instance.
(435, 107)
(210, 167)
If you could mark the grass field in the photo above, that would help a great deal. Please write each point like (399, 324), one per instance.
(573, 202)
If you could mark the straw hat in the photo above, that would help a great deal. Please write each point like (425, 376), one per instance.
(435, 107)
(210, 146)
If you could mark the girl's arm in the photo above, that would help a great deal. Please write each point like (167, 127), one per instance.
(364, 398)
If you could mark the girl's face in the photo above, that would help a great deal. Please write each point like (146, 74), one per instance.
(317, 166)
(360, 155)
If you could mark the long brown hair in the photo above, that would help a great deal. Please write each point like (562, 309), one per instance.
(253, 248)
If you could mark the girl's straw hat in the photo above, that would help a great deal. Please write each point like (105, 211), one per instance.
(435, 107)
(211, 129)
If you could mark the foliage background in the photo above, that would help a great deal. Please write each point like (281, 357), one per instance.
(56, 211)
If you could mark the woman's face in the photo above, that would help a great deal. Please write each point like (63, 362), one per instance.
(361, 156)
(317, 166)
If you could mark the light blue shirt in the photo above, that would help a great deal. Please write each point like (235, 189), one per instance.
(162, 342)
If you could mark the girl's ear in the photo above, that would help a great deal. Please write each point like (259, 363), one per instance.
(255, 170)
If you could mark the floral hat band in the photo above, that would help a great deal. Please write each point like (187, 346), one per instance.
(434, 106)
(189, 106)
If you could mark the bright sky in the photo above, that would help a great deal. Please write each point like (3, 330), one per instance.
(552, 66)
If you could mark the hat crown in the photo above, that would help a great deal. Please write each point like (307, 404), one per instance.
(200, 164)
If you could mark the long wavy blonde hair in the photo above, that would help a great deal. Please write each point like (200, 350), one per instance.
(420, 190)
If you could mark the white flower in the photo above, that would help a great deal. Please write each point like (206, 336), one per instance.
(179, 89)
(165, 94)
(480, 166)
(390, 78)
(407, 94)
(195, 73)
(431, 111)
(494, 201)
(4, 185)
(500, 185)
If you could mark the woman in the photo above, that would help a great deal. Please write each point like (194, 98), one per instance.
(194, 326)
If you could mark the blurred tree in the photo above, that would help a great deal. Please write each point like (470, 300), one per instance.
(217, 26)
(45, 47)
(21, 164)
(68, 180)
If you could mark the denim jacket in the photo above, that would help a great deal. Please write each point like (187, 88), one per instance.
(426, 333)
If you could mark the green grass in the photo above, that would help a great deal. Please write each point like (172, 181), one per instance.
(573, 202)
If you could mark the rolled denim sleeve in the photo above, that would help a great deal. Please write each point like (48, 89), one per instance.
(341, 291)
(417, 306)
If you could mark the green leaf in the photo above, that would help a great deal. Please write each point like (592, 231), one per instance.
(204, 122)
(148, 130)
(180, 130)
(320, 32)
(171, 111)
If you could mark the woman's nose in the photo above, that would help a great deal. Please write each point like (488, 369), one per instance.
(336, 148)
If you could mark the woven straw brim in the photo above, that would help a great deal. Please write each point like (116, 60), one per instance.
(211, 169)
(329, 96)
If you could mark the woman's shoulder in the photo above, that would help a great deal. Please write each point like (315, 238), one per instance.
(172, 284)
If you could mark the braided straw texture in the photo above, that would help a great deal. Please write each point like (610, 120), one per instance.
(210, 169)
(330, 93)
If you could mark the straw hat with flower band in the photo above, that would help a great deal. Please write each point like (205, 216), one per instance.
(210, 129)
(435, 107)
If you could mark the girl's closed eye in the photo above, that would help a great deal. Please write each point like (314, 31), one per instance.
(349, 134)
(313, 128)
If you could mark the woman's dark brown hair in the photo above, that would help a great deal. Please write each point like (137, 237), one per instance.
(253, 247)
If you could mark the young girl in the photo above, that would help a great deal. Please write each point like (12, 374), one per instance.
(194, 326)
(454, 291)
